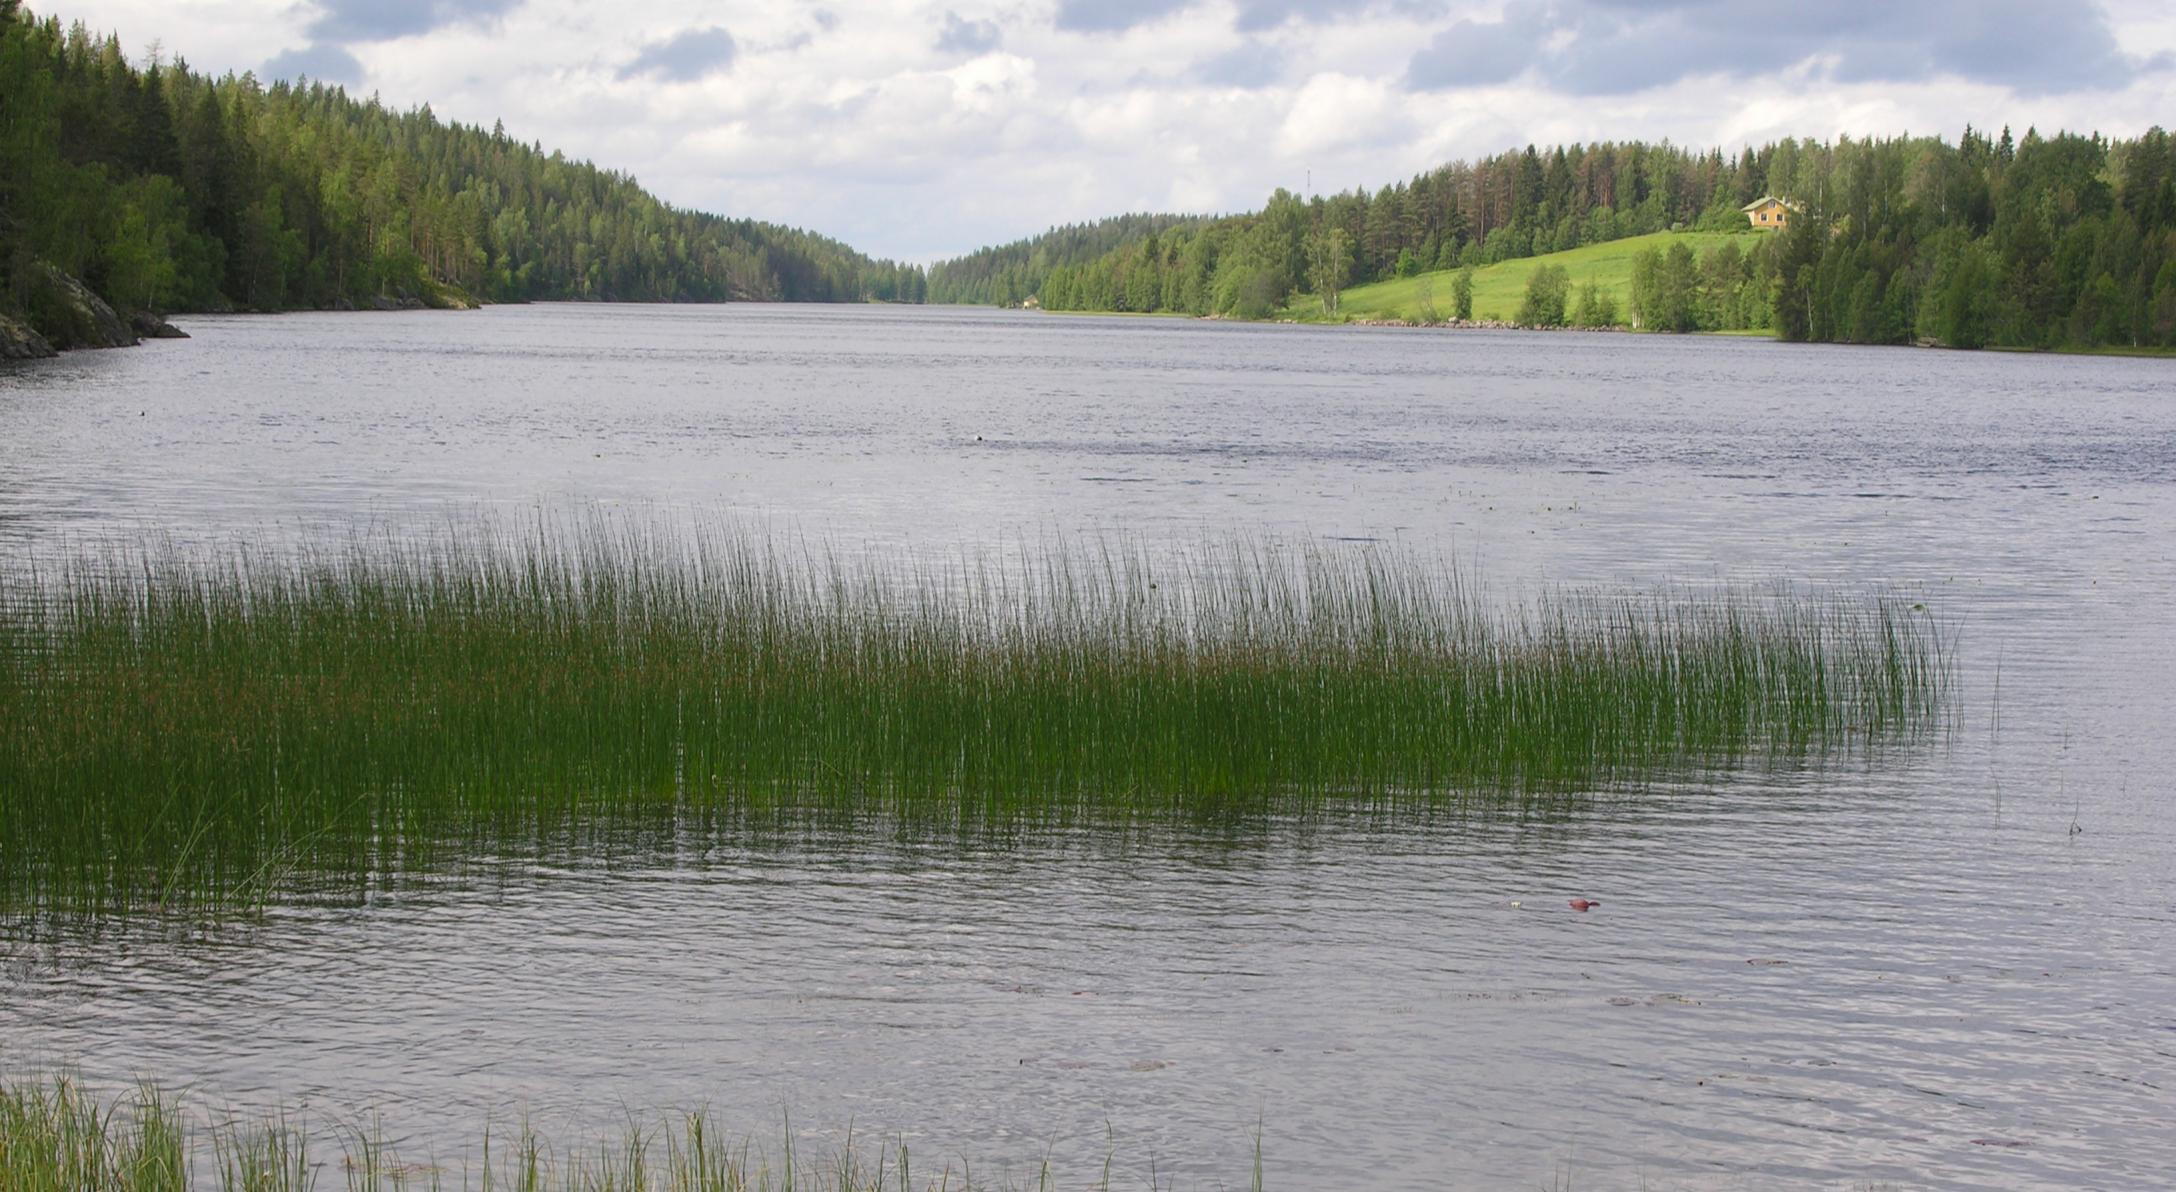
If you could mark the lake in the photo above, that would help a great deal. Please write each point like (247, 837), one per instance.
(1950, 966)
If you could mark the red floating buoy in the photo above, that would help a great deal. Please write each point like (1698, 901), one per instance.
(1581, 904)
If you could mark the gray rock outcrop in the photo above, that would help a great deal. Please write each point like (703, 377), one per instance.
(69, 316)
(19, 342)
(150, 326)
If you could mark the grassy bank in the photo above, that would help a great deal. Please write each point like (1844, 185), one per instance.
(180, 731)
(57, 1137)
(1499, 289)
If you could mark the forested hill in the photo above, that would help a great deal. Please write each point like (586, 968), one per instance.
(1515, 204)
(167, 190)
(2039, 241)
(1008, 274)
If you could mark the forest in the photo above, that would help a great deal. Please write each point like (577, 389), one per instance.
(2066, 240)
(1010, 274)
(162, 189)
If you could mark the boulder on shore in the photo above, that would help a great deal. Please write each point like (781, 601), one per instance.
(69, 315)
(435, 295)
(439, 295)
(19, 342)
(150, 326)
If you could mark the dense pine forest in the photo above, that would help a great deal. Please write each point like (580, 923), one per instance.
(162, 189)
(1010, 274)
(2059, 241)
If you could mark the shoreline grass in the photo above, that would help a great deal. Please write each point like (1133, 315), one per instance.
(58, 1136)
(185, 731)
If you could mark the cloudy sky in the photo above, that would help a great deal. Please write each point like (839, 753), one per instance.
(920, 130)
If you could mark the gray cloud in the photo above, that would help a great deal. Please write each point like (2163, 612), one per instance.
(1480, 53)
(685, 56)
(1614, 47)
(1251, 65)
(1113, 16)
(1258, 15)
(383, 20)
(962, 36)
(325, 63)
(2055, 47)
(1254, 16)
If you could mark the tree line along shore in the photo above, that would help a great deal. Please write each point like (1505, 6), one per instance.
(2061, 241)
(133, 189)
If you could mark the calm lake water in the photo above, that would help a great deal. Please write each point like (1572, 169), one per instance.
(1954, 968)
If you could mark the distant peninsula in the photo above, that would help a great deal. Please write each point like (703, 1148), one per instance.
(127, 189)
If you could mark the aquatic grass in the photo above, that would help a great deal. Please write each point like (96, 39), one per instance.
(58, 1136)
(198, 729)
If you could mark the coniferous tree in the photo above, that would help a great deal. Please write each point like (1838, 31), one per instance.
(2026, 242)
(163, 188)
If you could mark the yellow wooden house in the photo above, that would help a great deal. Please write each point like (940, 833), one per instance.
(1769, 211)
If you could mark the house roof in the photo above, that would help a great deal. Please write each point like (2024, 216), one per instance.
(1764, 200)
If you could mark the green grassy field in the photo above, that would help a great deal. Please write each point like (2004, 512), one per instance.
(1498, 289)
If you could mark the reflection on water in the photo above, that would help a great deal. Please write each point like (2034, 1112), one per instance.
(1882, 972)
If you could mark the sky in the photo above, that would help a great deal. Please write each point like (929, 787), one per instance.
(925, 130)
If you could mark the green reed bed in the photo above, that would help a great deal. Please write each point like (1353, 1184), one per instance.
(193, 728)
(57, 1136)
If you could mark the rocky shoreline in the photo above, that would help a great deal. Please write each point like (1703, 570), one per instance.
(65, 315)
(71, 316)
(19, 342)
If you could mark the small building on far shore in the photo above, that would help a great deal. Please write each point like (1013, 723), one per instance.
(1769, 211)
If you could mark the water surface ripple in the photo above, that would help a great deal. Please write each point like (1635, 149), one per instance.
(1950, 968)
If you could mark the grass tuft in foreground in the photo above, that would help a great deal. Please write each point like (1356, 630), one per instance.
(190, 731)
(55, 1136)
